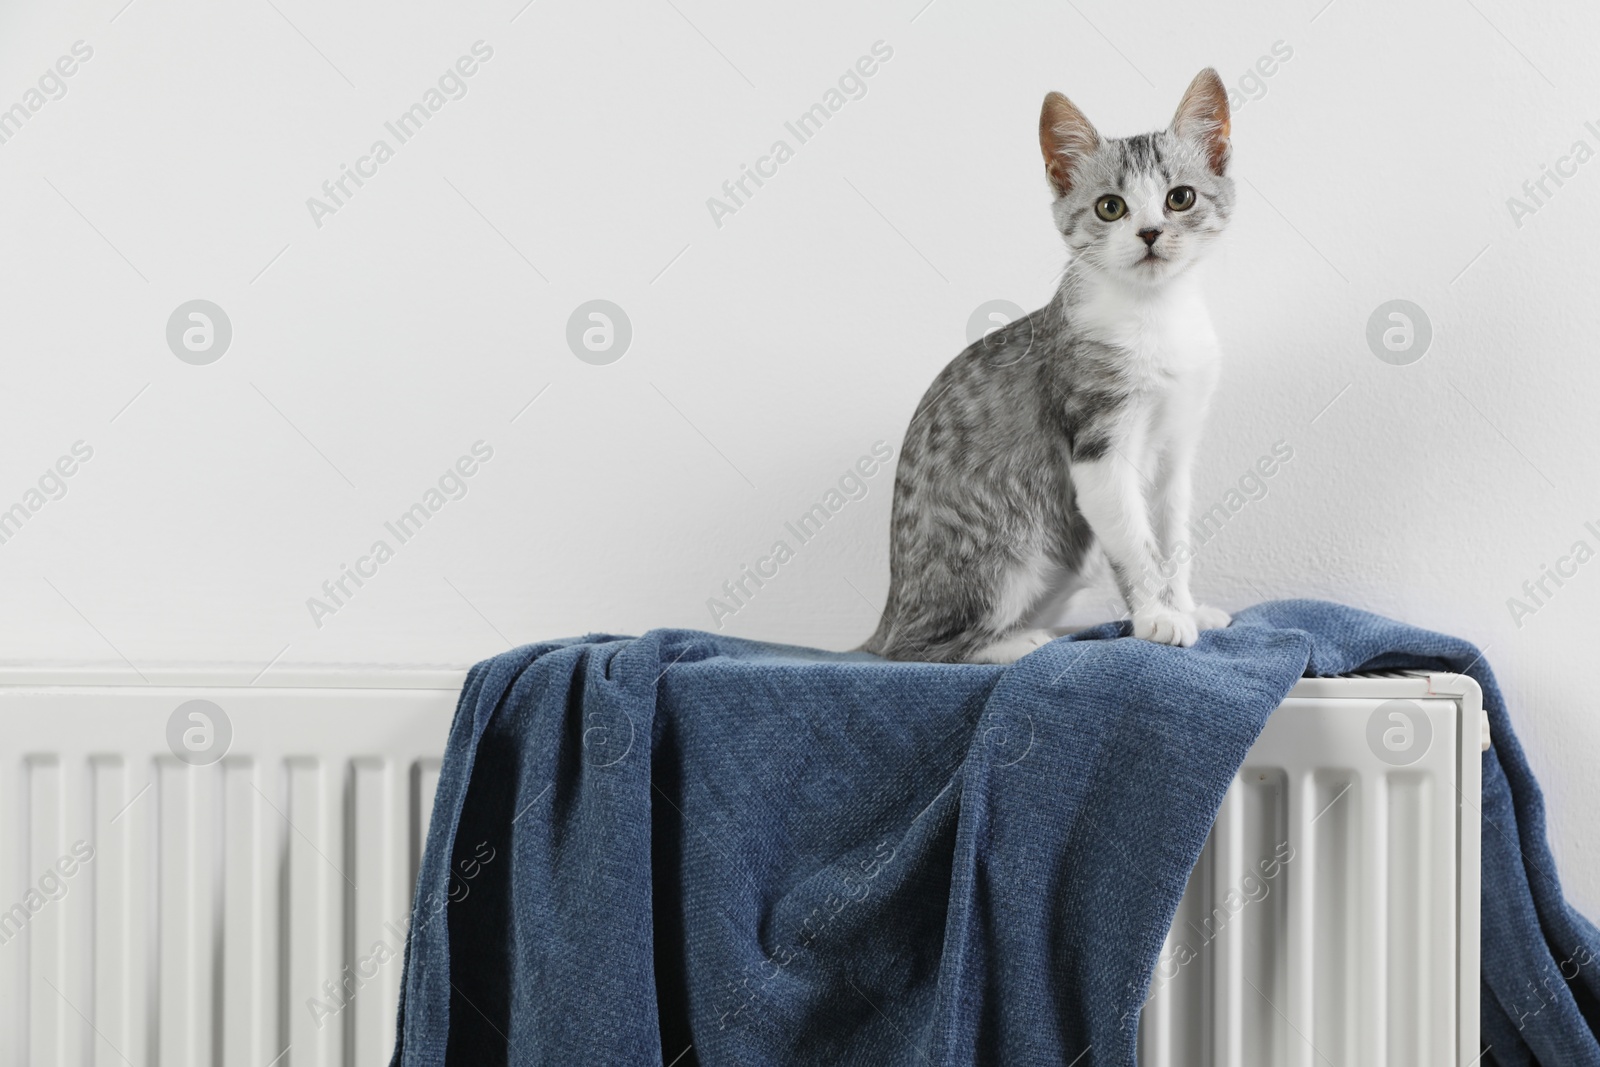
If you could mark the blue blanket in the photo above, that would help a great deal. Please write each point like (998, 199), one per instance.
(687, 849)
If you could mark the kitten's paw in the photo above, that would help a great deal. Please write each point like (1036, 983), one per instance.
(1167, 626)
(1010, 649)
(1210, 618)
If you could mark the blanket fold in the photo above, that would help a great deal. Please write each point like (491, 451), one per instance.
(688, 849)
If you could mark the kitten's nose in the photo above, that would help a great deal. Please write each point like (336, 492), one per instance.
(1149, 236)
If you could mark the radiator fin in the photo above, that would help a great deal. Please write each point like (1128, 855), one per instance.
(1332, 867)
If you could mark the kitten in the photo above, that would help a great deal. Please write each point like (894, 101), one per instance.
(1076, 424)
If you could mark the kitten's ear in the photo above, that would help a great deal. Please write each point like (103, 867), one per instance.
(1065, 136)
(1203, 117)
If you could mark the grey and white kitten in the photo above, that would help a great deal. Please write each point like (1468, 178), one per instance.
(1078, 423)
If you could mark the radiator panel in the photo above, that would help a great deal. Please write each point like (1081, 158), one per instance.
(249, 911)
(1329, 903)
(252, 910)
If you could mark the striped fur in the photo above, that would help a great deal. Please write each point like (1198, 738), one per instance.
(1077, 424)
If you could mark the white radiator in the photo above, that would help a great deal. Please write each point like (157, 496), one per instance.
(228, 910)
(1332, 920)
(250, 910)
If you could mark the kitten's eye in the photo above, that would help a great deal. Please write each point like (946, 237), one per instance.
(1110, 208)
(1181, 198)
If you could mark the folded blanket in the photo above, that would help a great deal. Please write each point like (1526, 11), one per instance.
(688, 849)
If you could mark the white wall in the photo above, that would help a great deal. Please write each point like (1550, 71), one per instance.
(369, 352)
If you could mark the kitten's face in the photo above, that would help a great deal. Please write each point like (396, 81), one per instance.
(1142, 208)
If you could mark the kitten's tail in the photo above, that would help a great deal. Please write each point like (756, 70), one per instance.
(924, 648)
(879, 639)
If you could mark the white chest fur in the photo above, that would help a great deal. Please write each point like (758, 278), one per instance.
(1162, 334)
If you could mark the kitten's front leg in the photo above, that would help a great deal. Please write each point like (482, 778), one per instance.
(1111, 496)
(1173, 496)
